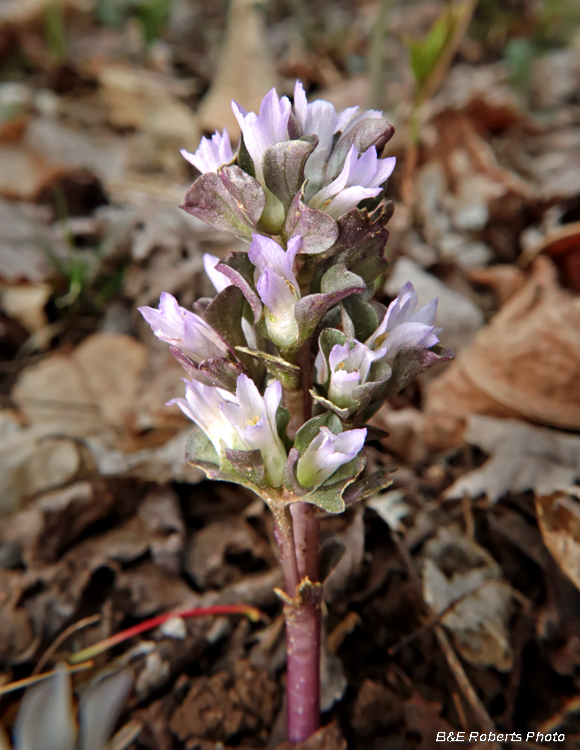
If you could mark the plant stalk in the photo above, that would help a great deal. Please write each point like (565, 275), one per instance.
(297, 533)
(303, 662)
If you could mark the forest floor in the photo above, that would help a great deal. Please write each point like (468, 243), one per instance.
(452, 600)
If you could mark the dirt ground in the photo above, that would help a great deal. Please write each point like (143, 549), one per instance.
(451, 601)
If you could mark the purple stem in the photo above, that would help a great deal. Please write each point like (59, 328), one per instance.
(303, 666)
(298, 535)
(303, 624)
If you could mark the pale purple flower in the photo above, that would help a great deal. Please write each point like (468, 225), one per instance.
(203, 405)
(277, 286)
(211, 154)
(219, 280)
(318, 118)
(326, 453)
(360, 178)
(349, 365)
(184, 329)
(254, 419)
(265, 129)
(246, 421)
(402, 326)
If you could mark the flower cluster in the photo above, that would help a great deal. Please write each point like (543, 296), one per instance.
(305, 189)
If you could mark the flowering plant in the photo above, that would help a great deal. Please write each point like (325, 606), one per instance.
(292, 356)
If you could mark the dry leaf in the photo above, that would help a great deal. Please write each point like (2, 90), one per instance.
(559, 522)
(86, 392)
(503, 279)
(522, 457)
(527, 359)
(424, 717)
(92, 394)
(25, 244)
(245, 71)
(26, 304)
(453, 393)
(148, 101)
(350, 543)
(456, 568)
(206, 557)
(51, 523)
(49, 151)
(33, 460)
(416, 436)
(391, 507)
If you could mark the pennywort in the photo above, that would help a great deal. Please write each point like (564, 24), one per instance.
(292, 356)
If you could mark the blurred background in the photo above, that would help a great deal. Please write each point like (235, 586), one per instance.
(452, 599)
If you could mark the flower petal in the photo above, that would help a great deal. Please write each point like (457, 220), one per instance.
(217, 278)
(326, 453)
(266, 129)
(211, 154)
(203, 405)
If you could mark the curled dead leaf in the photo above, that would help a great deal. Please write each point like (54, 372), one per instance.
(456, 569)
(526, 360)
(559, 522)
(522, 457)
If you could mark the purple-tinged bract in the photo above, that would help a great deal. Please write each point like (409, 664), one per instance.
(326, 453)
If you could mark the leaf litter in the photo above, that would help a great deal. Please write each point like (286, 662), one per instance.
(452, 602)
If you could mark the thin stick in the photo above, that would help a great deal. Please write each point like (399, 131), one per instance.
(463, 682)
(570, 707)
(27, 681)
(452, 659)
(220, 609)
(460, 712)
(467, 509)
(62, 638)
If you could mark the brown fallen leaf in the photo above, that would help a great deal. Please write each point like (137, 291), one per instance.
(161, 514)
(562, 244)
(85, 392)
(559, 522)
(527, 359)
(348, 548)
(24, 11)
(150, 589)
(33, 460)
(49, 152)
(479, 621)
(54, 521)
(415, 436)
(522, 457)
(206, 556)
(26, 243)
(245, 71)
(16, 629)
(134, 94)
(26, 303)
(97, 396)
(505, 280)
